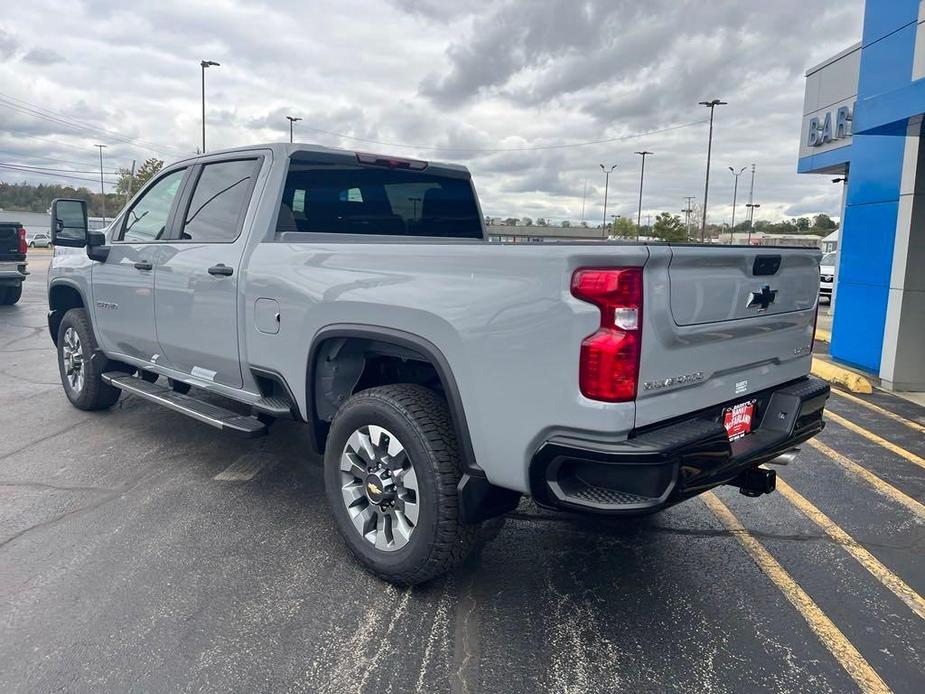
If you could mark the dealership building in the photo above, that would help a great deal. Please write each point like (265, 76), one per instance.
(862, 122)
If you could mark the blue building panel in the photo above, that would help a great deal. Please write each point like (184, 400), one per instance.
(867, 244)
(883, 17)
(876, 168)
(857, 335)
(887, 64)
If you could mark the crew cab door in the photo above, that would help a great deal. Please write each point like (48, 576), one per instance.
(123, 285)
(196, 287)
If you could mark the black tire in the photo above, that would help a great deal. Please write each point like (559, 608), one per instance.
(10, 295)
(421, 421)
(179, 386)
(94, 393)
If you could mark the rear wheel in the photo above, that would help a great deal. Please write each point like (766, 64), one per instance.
(80, 375)
(10, 295)
(391, 470)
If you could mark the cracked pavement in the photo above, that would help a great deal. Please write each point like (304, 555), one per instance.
(125, 566)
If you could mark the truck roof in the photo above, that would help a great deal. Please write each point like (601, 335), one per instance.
(288, 149)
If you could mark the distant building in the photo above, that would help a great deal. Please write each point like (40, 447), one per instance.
(830, 242)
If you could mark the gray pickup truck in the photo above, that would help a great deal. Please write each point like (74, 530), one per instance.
(12, 262)
(441, 376)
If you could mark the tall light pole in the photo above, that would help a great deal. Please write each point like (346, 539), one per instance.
(735, 191)
(607, 173)
(751, 194)
(204, 64)
(752, 206)
(642, 176)
(706, 188)
(291, 120)
(102, 191)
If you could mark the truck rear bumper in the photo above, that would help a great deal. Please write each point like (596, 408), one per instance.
(661, 465)
(12, 272)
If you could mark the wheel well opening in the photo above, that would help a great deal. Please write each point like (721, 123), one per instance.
(344, 366)
(61, 299)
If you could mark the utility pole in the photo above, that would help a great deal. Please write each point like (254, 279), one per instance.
(204, 64)
(735, 190)
(642, 176)
(752, 206)
(706, 188)
(291, 120)
(689, 210)
(751, 195)
(102, 190)
(607, 173)
(131, 180)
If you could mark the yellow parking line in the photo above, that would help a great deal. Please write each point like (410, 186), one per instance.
(879, 410)
(869, 477)
(844, 651)
(871, 436)
(899, 587)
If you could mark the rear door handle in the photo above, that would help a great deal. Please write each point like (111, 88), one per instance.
(221, 270)
(143, 265)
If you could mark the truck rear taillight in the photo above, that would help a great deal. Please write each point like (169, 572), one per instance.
(608, 367)
(23, 246)
(391, 162)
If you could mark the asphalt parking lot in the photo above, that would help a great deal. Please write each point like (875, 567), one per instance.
(143, 551)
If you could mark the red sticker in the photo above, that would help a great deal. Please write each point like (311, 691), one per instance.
(738, 419)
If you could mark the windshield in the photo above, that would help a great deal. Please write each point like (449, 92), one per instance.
(828, 259)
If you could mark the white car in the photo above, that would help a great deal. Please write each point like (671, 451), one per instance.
(827, 276)
(39, 240)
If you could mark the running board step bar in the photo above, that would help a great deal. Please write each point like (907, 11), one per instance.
(205, 412)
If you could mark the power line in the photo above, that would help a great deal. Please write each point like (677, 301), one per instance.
(53, 170)
(532, 148)
(29, 108)
(42, 173)
(36, 156)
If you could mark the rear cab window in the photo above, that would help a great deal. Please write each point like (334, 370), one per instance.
(353, 198)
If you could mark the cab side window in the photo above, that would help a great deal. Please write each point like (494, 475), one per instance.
(217, 207)
(147, 220)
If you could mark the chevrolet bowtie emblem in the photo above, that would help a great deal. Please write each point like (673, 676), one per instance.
(762, 298)
(373, 488)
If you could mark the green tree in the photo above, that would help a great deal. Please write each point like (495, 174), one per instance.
(802, 224)
(541, 222)
(623, 228)
(526, 221)
(129, 184)
(565, 224)
(510, 222)
(669, 227)
(823, 221)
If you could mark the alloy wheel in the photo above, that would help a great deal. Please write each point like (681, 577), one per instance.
(73, 355)
(379, 488)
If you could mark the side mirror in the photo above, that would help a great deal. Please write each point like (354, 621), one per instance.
(69, 222)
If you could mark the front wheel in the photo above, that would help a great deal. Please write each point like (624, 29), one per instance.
(80, 375)
(391, 468)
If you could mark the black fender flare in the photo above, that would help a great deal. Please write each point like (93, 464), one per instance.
(415, 343)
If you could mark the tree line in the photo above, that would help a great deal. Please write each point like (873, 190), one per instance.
(26, 197)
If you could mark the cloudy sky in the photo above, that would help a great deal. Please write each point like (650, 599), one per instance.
(499, 86)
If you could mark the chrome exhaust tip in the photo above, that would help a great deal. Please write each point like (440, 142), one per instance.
(785, 458)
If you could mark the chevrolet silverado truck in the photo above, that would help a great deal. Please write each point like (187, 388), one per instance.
(441, 376)
(12, 262)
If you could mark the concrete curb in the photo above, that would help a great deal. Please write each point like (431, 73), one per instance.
(823, 335)
(840, 376)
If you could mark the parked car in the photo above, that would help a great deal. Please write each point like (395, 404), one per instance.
(39, 240)
(827, 276)
(441, 376)
(12, 262)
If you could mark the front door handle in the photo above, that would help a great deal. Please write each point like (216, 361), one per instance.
(143, 265)
(221, 270)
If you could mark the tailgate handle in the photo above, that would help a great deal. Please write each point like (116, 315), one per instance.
(766, 265)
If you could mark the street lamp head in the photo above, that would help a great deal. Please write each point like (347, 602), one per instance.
(293, 119)
(208, 63)
(644, 152)
(714, 102)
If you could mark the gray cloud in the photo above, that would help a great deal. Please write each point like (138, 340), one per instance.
(43, 56)
(465, 76)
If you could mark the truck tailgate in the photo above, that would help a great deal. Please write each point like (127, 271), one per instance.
(721, 323)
